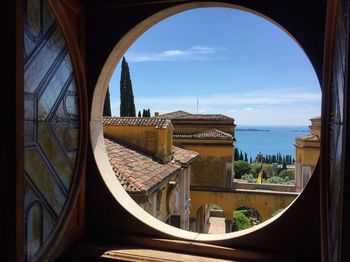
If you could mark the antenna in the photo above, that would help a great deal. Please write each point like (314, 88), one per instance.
(197, 104)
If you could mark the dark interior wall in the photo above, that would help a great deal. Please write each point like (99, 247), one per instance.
(106, 23)
(11, 149)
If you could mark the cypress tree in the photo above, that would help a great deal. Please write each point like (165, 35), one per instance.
(107, 105)
(241, 155)
(127, 105)
(236, 157)
(143, 113)
(139, 114)
(245, 157)
(284, 165)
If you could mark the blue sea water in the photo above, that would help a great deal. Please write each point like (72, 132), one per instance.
(278, 139)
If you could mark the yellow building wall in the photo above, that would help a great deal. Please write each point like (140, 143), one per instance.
(163, 211)
(209, 169)
(310, 156)
(264, 203)
(154, 141)
(307, 153)
(196, 128)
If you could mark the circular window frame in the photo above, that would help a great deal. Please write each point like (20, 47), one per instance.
(97, 137)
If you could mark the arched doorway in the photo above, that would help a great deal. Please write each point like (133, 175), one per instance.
(210, 219)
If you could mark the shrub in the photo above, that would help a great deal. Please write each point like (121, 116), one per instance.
(249, 178)
(275, 180)
(240, 221)
(279, 180)
(287, 174)
(214, 206)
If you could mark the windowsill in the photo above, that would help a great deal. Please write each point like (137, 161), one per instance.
(146, 249)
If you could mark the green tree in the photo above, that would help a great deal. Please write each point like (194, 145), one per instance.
(139, 114)
(245, 157)
(107, 105)
(267, 169)
(241, 155)
(127, 104)
(284, 165)
(241, 168)
(236, 157)
(274, 159)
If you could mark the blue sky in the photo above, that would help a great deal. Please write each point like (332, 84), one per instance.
(234, 62)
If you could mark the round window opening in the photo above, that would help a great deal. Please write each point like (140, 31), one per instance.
(210, 123)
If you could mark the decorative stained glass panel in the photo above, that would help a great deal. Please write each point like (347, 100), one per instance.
(51, 123)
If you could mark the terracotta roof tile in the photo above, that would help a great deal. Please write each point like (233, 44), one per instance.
(309, 138)
(208, 134)
(184, 156)
(136, 121)
(173, 115)
(182, 115)
(138, 172)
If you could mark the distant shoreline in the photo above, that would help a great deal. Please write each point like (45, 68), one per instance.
(252, 129)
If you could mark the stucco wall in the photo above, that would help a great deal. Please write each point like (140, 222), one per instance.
(210, 167)
(264, 203)
(196, 128)
(154, 141)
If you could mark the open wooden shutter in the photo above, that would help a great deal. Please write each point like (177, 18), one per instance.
(55, 126)
(335, 132)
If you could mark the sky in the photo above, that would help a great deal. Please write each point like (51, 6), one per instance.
(221, 61)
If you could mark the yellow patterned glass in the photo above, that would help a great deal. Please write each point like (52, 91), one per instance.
(51, 123)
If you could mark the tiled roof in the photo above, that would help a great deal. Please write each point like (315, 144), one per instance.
(208, 134)
(316, 118)
(181, 115)
(136, 121)
(309, 138)
(172, 115)
(138, 172)
(184, 156)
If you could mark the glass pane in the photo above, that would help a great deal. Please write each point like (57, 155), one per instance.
(51, 123)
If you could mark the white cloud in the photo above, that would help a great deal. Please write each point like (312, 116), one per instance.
(197, 52)
(264, 107)
(170, 53)
(247, 99)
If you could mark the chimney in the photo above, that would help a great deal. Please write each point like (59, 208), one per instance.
(156, 113)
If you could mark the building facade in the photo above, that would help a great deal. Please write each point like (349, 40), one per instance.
(212, 136)
(153, 172)
(307, 153)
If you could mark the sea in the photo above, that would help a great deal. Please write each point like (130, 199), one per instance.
(268, 140)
